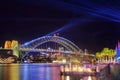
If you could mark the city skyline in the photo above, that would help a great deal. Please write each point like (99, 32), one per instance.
(91, 25)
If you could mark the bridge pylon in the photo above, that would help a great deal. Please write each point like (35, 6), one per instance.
(12, 45)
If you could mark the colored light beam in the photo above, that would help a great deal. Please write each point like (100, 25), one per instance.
(78, 7)
(63, 28)
(105, 9)
(71, 24)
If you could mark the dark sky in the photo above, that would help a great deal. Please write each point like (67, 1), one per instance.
(91, 24)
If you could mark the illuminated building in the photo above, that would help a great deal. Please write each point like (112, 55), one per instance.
(15, 46)
(12, 45)
(118, 51)
(7, 44)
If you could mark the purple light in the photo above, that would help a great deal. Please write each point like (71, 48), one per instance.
(118, 50)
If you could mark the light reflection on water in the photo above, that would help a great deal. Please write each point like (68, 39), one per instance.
(33, 72)
(29, 72)
(67, 77)
(13, 72)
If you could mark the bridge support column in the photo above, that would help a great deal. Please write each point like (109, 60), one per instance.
(15, 47)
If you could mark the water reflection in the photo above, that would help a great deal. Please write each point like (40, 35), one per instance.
(1, 72)
(25, 72)
(67, 77)
(89, 78)
(29, 72)
(77, 77)
(77, 72)
(37, 72)
(9, 72)
(13, 72)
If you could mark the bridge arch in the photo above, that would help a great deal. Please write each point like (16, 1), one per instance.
(60, 40)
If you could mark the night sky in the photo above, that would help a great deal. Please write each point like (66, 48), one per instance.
(91, 24)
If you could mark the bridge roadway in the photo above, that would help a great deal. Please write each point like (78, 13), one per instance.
(46, 50)
(49, 51)
(40, 50)
(54, 51)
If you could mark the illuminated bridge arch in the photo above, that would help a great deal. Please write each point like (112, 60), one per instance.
(60, 40)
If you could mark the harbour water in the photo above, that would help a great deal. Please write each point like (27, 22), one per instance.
(115, 71)
(44, 72)
(34, 72)
(29, 72)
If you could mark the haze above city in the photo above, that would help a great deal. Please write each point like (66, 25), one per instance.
(91, 25)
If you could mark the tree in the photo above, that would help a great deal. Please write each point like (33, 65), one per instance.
(98, 56)
(106, 53)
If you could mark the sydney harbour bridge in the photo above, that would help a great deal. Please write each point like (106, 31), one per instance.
(54, 45)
